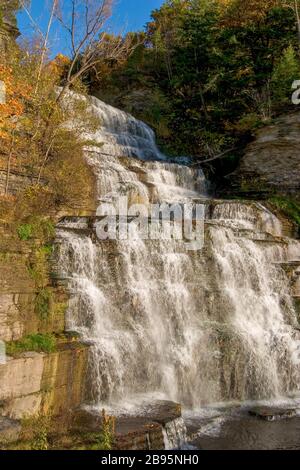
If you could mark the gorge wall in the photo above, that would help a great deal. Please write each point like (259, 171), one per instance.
(198, 326)
(150, 319)
(271, 162)
(33, 382)
(8, 26)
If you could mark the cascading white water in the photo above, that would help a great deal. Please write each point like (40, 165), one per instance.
(175, 435)
(124, 136)
(249, 216)
(191, 326)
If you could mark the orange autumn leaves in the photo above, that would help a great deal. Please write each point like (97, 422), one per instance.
(20, 92)
(58, 65)
(17, 92)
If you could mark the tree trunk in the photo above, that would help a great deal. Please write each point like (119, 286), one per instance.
(44, 49)
(44, 161)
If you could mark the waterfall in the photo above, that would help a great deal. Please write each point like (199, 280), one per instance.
(197, 326)
(175, 435)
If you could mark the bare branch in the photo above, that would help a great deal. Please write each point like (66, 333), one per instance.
(32, 20)
(45, 45)
(215, 157)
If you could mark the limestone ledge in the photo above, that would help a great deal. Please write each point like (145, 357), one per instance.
(292, 270)
(42, 383)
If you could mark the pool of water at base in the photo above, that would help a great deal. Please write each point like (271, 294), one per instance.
(231, 427)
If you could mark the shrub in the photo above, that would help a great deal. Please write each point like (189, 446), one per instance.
(288, 206)
(39, 266)
(106, 437)
(37, 227)
(40, 143)
(36, 429)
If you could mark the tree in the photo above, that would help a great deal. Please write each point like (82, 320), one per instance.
(285, 72)
(294, 5)
(17, 92)
(87, 39)
(45, 44)
(237, 13)
(162, 31)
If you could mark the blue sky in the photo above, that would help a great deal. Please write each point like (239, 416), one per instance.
(128, 15)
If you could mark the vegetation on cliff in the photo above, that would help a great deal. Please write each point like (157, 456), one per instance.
(289, 206)
(204, 74)
(35, 342)
(208, 74)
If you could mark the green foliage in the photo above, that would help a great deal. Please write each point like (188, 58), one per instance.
(288, 206)
(36, 430)
(106, 437)
(44, 148)
(39, 266)
(102, 440)
(43, 303)
(36, 342)
(285, 72)
(207, 76)
(39, 227)
(43, 230)
(25, 232)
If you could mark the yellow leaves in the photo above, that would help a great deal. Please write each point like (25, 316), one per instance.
(17, 92)
(14, 86)
(244, 72)
(62, 59)
(58, 65)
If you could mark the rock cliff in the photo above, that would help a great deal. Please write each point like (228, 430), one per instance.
(8, 27)
(272, 161)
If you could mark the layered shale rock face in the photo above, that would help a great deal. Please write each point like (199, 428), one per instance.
(19, 295)
(32, 382)
(272, 161)
(161, 320)
(41, 383)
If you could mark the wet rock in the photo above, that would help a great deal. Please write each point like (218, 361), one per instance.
(142, 431)
(162, 411)
(272, 414)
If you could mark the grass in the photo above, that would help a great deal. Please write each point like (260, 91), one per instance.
(288, 206)
(25, 232)
(39, 266)
(46, 432)
(35, 431)
(37, 227)
(36, 342)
